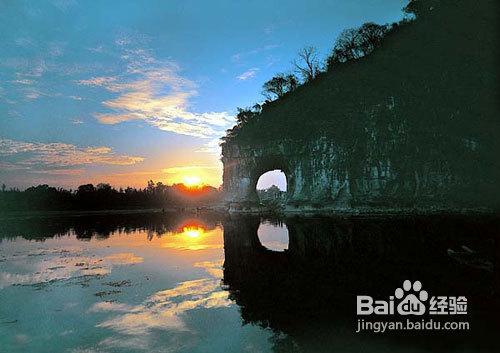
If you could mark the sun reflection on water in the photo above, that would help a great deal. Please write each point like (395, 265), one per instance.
(193, 236)
(137, 288)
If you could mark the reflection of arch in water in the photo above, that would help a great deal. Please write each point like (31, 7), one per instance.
(273, 235)
(331, 260)
(245, 253)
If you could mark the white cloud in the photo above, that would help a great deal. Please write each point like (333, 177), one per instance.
(154, 92)
(96, 49)
(165, 309)
(50, 265)
(32, 94)
(24, 42)
(70, 172)
(55, 49)
(64, 5)
(23, 81)
(211, 146)
(37, 69)
(250, 73)
(239, 57)
(98, 81)
(59, 155)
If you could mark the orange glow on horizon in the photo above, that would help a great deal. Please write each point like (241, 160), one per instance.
(206, 172)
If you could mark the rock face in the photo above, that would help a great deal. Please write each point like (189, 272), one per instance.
(323, 174)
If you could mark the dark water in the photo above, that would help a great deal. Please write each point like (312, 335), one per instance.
(209, 283)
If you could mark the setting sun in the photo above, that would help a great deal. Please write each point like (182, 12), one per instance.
(193, 232)
(192, 180)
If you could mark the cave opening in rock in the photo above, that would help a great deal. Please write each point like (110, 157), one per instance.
(272, 187)
(273, 235)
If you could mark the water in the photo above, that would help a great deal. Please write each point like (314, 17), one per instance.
(207, 283)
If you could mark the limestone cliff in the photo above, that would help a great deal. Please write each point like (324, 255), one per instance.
(413, 124)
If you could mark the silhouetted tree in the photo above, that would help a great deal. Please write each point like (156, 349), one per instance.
(292, 82)
(420, 7)
(370, 36)
(85, 189)
(257, 108)
(151, 186)
(275, 86)
(307, 64)
(244, 115)
(279, 85)
(354, 43)
(345, 47)
(104, 187)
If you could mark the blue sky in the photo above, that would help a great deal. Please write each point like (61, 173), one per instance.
(126, 91)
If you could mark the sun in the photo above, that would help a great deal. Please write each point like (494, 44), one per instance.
(193, 232)
(192, 181)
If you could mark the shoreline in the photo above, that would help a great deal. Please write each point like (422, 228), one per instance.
(375, 212)
(79, 213)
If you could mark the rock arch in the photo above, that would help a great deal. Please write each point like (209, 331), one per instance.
(266, 164)
(314, 171)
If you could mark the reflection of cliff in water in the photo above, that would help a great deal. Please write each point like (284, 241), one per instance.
(309, 291)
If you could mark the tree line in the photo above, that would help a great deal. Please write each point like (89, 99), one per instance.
(104, 197)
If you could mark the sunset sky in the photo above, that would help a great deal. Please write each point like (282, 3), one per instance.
(92, 91)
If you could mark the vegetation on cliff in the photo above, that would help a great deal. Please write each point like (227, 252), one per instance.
(427, 65)
(422, 93)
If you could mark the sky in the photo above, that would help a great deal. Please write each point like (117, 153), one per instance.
(126, 91)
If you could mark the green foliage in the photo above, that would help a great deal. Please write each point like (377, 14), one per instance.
(307, 65)
(279, 85)
(421, 8)
(356, 43)
(243, 117)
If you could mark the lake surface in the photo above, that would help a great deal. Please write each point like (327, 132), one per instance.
(211, 283)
